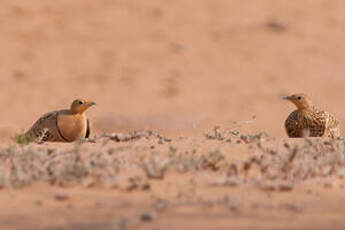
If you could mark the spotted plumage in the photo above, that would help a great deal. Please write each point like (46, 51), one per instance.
(310, 121)
(63, 125)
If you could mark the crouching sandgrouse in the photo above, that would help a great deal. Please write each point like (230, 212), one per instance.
(62, 125)
(309, 121)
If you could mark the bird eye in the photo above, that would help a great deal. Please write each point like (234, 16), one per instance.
(80, 102)
(299, 98)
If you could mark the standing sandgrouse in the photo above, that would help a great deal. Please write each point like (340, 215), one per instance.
(63, 125)
(307, 120)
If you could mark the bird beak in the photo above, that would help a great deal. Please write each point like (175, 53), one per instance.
(286, 98)
(92, 103)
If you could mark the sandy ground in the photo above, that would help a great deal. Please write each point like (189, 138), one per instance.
(178, 67)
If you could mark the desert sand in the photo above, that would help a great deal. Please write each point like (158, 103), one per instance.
(179, 68)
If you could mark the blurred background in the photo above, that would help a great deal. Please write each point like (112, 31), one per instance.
(177, 66)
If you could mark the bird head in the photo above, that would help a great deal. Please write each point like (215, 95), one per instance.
(302, 101)
(81, 105)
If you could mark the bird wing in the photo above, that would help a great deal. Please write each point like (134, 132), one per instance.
(316, 121)
(332, 126)
(291, 125)
(45, 128)
(310, 123)
(328, 125)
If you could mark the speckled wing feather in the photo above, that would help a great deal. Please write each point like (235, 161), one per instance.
(318, 123)
(45, 128)
(315, 121)
(291, 125)
(332, 127)
(312, 122)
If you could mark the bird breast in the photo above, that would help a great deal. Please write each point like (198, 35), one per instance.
(72, 127)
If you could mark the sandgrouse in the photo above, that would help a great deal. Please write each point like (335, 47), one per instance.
(310, 121)
(63, 125)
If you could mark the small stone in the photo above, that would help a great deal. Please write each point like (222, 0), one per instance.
(61, 197)
(149, 216)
